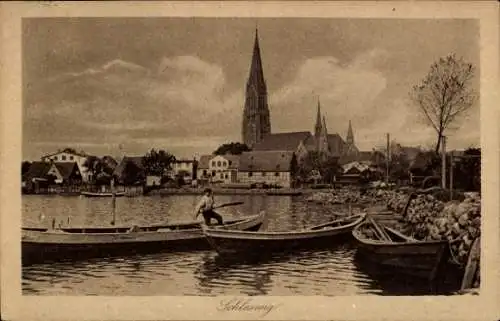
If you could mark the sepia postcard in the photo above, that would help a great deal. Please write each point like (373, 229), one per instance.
(250, 160)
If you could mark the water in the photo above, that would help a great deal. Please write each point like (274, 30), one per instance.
(324, 272)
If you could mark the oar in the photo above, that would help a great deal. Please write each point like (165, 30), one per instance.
(228, 204)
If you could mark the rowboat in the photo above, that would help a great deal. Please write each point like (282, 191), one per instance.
(42, 244)
(252, 243)
(392, 251)
(102, 194)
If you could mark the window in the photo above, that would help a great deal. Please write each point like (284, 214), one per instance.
(224, 164)
(218, 163)
(204, 172)
(250, 174)
(71, 158)
(55, 158)
(221, 175)
(263, 173)
(226, 177)
(230, 162)
(213, 173)
(213, 163)
(277, 174)
(63, 157)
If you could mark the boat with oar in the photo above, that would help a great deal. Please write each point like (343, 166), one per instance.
(102, 194)
(249, 243)
(392, 251)
(73, 243)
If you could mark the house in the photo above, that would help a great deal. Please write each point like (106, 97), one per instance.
(357, 169)
(184, 166)
(218, 168)
(51, 173)
(69, 155)
(268, 167)
(372, 157)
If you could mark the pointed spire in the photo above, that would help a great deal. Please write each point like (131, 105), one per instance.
(317, 127)
(350, 135)
(256, 77)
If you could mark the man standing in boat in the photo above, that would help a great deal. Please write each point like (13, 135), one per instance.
(206, 208)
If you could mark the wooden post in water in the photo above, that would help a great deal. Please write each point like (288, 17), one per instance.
(113, 200)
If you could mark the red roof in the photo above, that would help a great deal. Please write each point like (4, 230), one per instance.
(266, 161)
(282, 141)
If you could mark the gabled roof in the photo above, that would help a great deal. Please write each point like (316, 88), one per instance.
(205, 160)
(37, 170)
(68, 151)
(266, 161)
(67, 169)
(137, 160)
(336, 144)
(282, 141)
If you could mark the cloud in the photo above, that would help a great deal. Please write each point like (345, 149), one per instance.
(181, 97)
(345, 91)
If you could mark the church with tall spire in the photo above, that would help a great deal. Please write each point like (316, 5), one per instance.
(256, 122)
(256, 119)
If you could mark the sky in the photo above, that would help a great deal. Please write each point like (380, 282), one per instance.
(121, 86)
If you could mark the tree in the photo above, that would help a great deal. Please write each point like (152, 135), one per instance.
(25, 167)
(100, 171)
(231, 148)
(444, 94)
(157, 163)
(467, 172)
(132, 173)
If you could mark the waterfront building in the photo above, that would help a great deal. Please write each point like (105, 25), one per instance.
(218, 168)
(266, 167)
(69, 155)
(184, 167)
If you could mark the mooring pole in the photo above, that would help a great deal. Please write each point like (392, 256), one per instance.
(387, 161)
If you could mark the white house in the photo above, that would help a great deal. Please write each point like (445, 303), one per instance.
(218, 168)
(69, 155)
(269, 167)
(184, 165)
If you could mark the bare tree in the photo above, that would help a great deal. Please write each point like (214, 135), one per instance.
(444, 94)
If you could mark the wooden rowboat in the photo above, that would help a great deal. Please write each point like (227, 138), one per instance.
(250, 243)
(393, 251)
(41, 244)
(101, 194)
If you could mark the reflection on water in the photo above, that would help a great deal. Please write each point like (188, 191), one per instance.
(324, 272)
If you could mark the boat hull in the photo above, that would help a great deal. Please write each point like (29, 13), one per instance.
(258, 244)
(90, 194)
(418, 258)
(49, 246)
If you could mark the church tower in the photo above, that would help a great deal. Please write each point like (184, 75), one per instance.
(351, 146)
(317, 127)
(256, 121)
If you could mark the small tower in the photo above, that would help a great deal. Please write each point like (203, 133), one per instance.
(317, 127)
(350, 144)
(323, 146)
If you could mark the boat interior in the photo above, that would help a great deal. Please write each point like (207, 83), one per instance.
(125, 229)
(338, 223)
(378, 232)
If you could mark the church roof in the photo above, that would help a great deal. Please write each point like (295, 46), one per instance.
(282, 141)
(336, 144)
(266, 161)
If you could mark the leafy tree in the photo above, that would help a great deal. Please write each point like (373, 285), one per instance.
(157, 163)
(98, 169)
(25, 167)
(231, 148)
(444, 94)
(132, 173)
(467, 172)
(327, 167)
